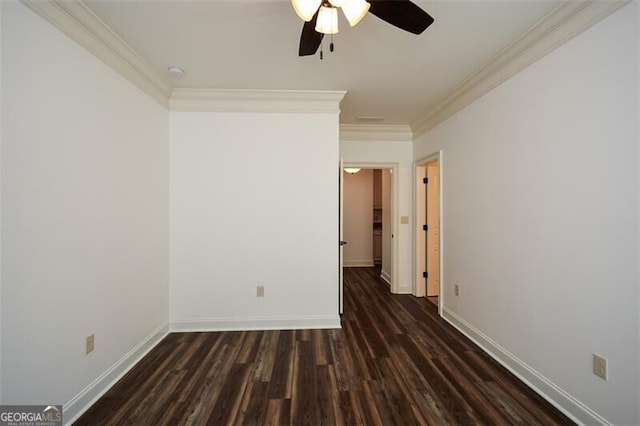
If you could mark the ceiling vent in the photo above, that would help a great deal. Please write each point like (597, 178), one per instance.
(369, 120)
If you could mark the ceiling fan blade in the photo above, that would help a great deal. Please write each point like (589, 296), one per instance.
(310, 39)
(401, 13)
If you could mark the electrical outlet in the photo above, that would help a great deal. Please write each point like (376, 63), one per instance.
(456, 290)
(600, 366)
(260, 291)
(90, 343)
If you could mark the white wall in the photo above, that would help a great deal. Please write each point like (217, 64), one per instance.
(384, 153)
(358, 218)
(1, 332)
(85, 215)
(541, 219)
(637, 7)
(254, 201)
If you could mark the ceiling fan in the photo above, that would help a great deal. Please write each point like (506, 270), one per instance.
(321, 17)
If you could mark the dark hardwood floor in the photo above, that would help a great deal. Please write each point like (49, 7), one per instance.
(395, 362)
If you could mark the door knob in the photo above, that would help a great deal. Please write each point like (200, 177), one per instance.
(343, 243)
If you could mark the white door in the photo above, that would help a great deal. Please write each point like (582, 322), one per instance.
(433, 230)
(341, 241)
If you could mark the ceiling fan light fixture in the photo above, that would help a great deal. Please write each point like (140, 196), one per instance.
(354, 10)
(305, 9)
(327, 22)
(352, 170)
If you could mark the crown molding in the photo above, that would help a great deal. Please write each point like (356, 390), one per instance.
(231, 100)
(78, 22)
(376, 132)
(556, 28)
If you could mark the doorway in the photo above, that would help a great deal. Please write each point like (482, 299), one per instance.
(368, 226)
(428, 235)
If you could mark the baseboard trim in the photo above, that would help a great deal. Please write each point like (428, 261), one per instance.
(385, 276)
(366, 263)
(73, 409)
(570, 406)
(242, 324)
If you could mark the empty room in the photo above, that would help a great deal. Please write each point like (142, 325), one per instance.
(176, 246)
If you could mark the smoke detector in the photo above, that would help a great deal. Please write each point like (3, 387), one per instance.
(175, 72)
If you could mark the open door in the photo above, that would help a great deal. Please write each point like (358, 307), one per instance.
(428, 230)
(433, 230)
(386, 207)
(341, 241)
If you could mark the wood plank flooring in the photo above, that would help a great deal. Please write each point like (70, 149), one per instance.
(395, 362)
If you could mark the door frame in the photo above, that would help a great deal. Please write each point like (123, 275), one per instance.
(419, 172)
(394, 167)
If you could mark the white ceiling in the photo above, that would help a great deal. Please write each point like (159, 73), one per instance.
(387, 72)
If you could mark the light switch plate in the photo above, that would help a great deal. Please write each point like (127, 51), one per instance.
(89, 343)
(600, 366)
